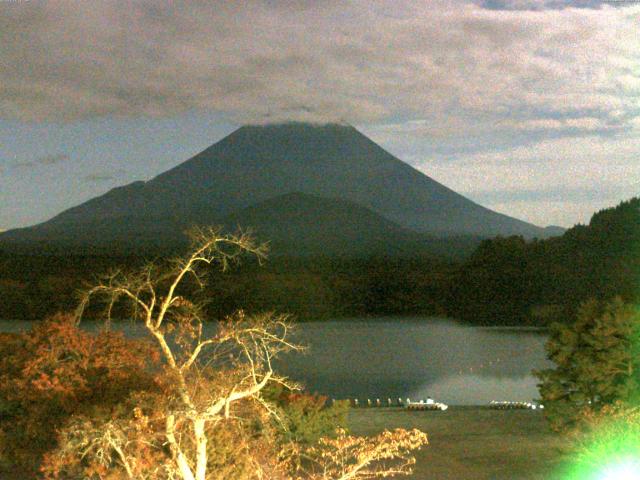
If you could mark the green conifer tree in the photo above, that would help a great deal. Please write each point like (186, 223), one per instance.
(596, 360)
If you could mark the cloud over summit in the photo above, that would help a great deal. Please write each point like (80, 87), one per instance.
(535, 102)
(457, 64)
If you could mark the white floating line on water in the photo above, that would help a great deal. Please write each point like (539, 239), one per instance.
(506, 405)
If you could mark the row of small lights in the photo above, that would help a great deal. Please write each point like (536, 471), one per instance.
(504, 405)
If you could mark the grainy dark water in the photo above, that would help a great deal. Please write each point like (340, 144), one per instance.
(416, 358)
(411, 357)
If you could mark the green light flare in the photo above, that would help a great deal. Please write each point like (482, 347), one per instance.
(625, 470)
(611, 450)
(611, 453)
(618, 468)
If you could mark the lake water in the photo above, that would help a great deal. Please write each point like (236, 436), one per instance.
(411, 357)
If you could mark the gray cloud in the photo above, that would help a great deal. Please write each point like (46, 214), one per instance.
(44, 160)
(96, 177)
(104, 177)
(458, 67)
(546, 194)
(555, 181)
(544, 4)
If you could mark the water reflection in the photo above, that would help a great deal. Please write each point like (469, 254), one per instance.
(407, 357)
(418, 357)
(479, 389)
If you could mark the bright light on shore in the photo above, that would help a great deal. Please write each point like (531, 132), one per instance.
(625, 470)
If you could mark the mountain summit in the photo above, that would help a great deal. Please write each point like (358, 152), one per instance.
(258, 163)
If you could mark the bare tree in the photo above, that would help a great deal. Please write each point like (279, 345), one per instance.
(348, 457)
(205, 376)
(243, 347)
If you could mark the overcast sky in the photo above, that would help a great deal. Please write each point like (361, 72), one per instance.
(529, 107)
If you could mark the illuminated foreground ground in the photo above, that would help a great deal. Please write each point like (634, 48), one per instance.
(474, 443)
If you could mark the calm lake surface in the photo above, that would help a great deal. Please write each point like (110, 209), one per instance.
(409, 357)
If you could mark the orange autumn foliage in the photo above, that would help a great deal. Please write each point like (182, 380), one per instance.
(103, 409)
(55, 371)
(348, 457)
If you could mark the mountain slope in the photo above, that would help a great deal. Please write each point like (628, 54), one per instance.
(301, 224)
(256, 163)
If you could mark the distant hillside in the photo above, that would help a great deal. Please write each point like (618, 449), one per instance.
(255, 164)
(304, 225)
(553, 231)
(508, 280)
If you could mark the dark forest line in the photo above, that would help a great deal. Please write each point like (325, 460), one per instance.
(505, 281)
